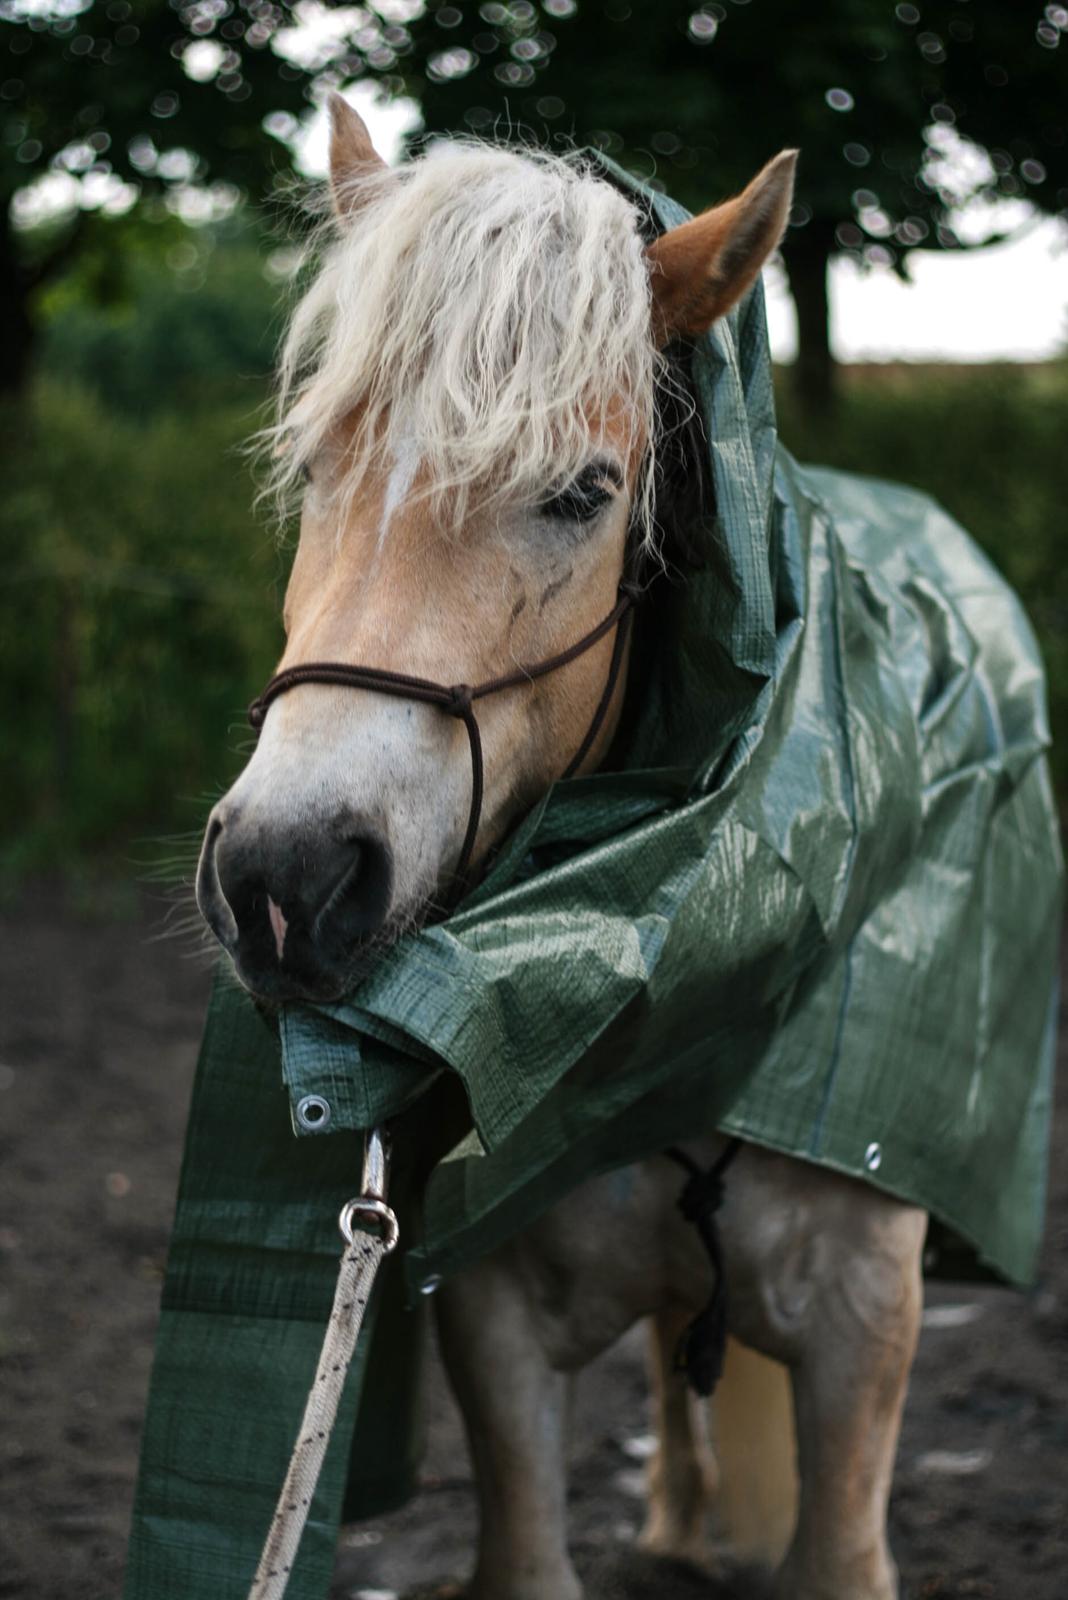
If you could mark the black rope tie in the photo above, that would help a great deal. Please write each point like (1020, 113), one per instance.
(704, 1343)
(458, 699)
(461, 696)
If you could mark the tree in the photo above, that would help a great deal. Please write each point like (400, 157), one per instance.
(697, 97)
(162, 93)
(136, 92)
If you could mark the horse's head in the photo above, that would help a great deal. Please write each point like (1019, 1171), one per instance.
(468, 390)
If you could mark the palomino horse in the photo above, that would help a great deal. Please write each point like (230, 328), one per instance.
(469, 391)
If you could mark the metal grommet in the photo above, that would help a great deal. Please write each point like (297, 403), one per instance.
(313, 1113)
(430, 1284)
(873, 1157)
(368, 1210)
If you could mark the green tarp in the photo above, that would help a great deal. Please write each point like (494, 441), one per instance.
(817, 904)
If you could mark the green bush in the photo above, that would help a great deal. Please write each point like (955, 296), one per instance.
(138, 612)
(154, 314)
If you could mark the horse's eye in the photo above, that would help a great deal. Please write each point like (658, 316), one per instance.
(581, 499)
(305, 472)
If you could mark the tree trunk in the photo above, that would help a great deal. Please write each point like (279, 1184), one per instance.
(16, 325)
(807, 253)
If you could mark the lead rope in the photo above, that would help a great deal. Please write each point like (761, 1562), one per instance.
(361, 1258)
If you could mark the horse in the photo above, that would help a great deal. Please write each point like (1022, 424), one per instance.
(468, 406)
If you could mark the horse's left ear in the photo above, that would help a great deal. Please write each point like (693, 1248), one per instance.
(702, 267)
(353, 158)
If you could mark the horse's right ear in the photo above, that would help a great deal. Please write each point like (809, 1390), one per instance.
(353, 158)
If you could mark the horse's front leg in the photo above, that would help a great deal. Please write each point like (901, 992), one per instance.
(514, 1407)
(514, 1326)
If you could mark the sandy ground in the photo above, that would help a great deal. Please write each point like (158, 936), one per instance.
(98, 1032)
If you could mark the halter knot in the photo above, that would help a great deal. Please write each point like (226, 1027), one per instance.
(257, 714)
(460, 699)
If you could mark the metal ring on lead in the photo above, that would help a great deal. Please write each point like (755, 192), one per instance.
(369, 1209)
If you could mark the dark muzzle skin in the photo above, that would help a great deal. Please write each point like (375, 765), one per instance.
(295, 913)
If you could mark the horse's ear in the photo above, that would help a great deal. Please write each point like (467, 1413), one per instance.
(353, 158)
(703, 266)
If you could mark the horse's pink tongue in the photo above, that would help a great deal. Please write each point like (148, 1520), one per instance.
(278, 925)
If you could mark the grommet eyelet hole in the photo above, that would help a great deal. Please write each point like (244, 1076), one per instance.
(313, 1113)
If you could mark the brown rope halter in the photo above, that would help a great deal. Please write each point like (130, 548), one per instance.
(457, 700)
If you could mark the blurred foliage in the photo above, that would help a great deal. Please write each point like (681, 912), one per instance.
(154, 95)
(697, 97)
(113, 83)
(139, 608)
(197, 313)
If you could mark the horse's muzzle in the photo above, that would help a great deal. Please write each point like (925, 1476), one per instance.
(295, 912)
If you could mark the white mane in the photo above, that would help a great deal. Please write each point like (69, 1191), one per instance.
(484, 308)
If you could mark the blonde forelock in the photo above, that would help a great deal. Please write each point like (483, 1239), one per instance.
(487, 309)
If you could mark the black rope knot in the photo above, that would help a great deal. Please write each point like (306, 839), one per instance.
(460, 700)
(701, 1197)
(703, 1345)
(257, 715)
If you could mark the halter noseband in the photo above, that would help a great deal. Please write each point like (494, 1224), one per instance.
(457, 700)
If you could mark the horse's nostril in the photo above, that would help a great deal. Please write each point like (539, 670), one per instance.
(347, 885)
(356, 904)
(212, 901)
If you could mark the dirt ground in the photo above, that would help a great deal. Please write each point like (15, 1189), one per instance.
(99, 1024)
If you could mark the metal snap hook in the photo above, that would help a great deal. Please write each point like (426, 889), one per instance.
(369, 1211)
(370, 1206)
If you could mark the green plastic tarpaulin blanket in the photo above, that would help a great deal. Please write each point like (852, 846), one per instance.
(816, 904)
